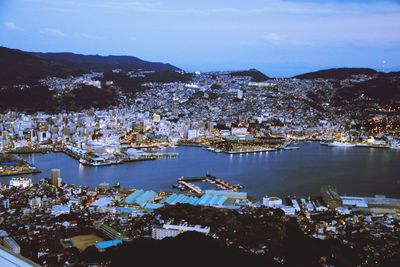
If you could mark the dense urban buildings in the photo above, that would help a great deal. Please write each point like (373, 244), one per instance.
(54, 223)
(228, 157)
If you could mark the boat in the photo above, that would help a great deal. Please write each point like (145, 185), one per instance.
(96, 162)
(239, 186)
(32, 167)
(395, 144)
(291, 148)
(21, 182)
(104, 184)
(178, 186)
(324, 143)
(396, 147)
(341, 144)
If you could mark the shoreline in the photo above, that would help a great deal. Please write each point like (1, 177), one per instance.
(21, 173)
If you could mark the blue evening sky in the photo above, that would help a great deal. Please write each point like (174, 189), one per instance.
(279, 37)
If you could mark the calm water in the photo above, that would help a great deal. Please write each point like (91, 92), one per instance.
(355, 171)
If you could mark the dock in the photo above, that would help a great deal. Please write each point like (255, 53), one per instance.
(138, 159)
(33, 171)
(251, 151)
(161, 155)
(222, 182)
(187, 182)
(191, 187)
(27, 150)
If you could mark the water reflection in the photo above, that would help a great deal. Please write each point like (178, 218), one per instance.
(359, 171)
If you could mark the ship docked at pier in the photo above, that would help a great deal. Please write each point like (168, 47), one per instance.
(341, 144)
(20, 182)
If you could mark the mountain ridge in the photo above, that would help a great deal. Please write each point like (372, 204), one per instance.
(336, 73)
(104, 62)
(20, 67)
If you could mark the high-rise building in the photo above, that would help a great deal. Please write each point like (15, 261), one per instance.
(192, 134)
(6, 203)
(55, 177)
(239, 94)
(156, 117)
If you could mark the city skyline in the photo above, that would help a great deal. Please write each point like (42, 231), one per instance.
(281, 38)
(207, 133)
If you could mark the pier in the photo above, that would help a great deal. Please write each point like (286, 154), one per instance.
(19, 173)
(143, 157)
(187, 182)
(29, 150)
(191, 186)
(161, 155)
(222, 182)
(11, 165)
(250, 151)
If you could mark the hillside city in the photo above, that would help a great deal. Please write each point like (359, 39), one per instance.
(260, 133)
(54, 223)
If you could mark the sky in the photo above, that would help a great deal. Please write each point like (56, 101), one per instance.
(279, 37)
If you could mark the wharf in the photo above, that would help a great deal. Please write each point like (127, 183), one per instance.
(21, 173)
(208, 177)
(143, 147)
(190, 145)
(222, 182)
(161, 155)
(71, 154)
(250, 151)
(29, 151)
(144, 157)
(371, 146)
(191, 186)
(138, 159)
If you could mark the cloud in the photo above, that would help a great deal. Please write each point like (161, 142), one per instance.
(275, 39)
(214, 8)
(58, 33)
(272, 37)
(53, 32)
(88, 36)
(289, 7)
(12, 26)
(107, 4)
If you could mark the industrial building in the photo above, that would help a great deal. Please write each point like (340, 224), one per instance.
(171, 230)
(10, 243)
(358, 202)
(228, 194)
(103, 245)
(110, 232)
(271, 201)
(8, 258)
(331, 197)
(140, 197)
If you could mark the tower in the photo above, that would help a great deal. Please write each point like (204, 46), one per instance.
(55, 177)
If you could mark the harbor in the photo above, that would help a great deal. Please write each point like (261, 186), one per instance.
(300, 171)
